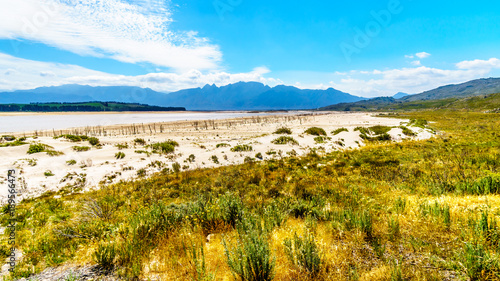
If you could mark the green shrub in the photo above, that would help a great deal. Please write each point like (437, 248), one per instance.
(383, 137)
(232, 208)
(315, 131)
(283, 131)
(250, 259)
(141, 172)
(259, 156)
(242, 147)
(121, 146)
(321, 139)
(105, 255)
(119, 155)
(285, 140)
(274, 216)
(248, 159)
(164, 147)
(407, 132)
(176, 167)
(479, 264)
(339, 130)
(362, 130)
(379, 130)
(219, 145)
(73, 138)
(48, 173)
(139, 141)
(483, 186)
(71, 162)
(8, 137)
(81, 148)
(93, 141)
(196, 255)
(304, 252)
(18, 142)
(437, 211)
(54, 153)
(421, 123)
(214, 159)
(191, 158)
(36, 148)
(394, 230)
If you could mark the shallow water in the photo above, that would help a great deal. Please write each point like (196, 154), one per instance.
(32, 122)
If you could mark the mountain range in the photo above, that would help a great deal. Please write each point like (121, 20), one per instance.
(244, 96)
(479, 87)
(238, 96)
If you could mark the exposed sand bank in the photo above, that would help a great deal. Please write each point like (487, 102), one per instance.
(199, 138)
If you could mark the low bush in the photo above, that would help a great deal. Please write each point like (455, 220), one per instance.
(285, 140)
(93, 141)
(283, 131)
(121, 146)
(316, 131)
(321, 139)
(219, 145)
(164, 147)
(36, 148)
(139, 141)
(214, 159)
(304, 252)
(339, 130)
(407, 132)
(242, 147)
(81, 148)
(119, 155)
(250, 259)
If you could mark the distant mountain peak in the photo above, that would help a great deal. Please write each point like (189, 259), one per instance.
(400, 95)
(483, 86)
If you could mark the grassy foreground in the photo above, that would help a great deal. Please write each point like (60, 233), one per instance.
(418, 210)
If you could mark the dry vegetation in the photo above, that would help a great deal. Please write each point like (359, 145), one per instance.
(416, 210)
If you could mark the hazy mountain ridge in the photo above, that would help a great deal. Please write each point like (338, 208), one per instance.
(445, 94)
(468, 89)
(238, 96)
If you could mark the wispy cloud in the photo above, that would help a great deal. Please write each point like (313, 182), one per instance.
(28, 74)
(485, 65)
(411, 80)
(133, 32)
(423, 55)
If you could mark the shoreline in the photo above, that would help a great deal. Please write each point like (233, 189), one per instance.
(114, 119)
(202, 144)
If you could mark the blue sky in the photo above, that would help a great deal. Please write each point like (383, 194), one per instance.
(367, 48)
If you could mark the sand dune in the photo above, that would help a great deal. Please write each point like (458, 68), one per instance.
(98, 166)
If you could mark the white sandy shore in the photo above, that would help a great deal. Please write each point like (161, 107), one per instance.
(99, 166)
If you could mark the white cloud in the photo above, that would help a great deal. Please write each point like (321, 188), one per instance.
(422, 55)
(409, 80)
(28, 74)
(409, 56)
(129, 32)
(416, 63)
(480, 64)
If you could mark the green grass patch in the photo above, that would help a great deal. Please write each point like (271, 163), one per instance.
(339, 130)
(283, 131)
(241, 148)
(285, 140)
(315, 131)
